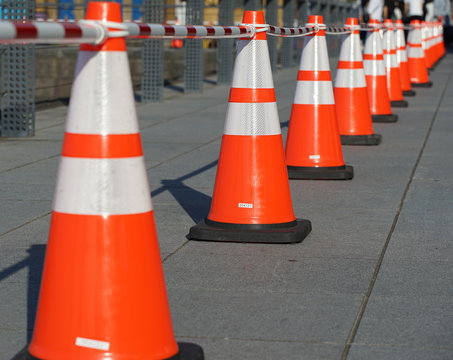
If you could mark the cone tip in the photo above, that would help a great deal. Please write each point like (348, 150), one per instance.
(253, 17)
(104, 10)
(373, 21)
(352, 21)
(315, 19)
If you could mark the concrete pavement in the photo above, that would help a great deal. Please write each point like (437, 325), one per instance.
(373, 280)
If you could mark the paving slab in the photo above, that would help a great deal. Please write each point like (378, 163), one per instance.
(382, 352)
(250, 349)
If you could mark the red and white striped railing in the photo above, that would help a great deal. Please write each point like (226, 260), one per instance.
(96, 32)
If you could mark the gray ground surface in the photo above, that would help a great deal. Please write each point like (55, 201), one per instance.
(372, 281)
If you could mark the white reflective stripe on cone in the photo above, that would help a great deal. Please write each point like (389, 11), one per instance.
(252, 119)
(374, 67)
(103, 85)
(373, 44)
(102, 186)
(348, 78)
(401, 56)
(350, 48)
(415, 52)
(314, 93)
(314, 54)
(390, 61)
(252, 67)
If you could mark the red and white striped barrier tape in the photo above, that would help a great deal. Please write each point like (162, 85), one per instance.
(157, 31)
(337, 30)
(96, 32)
(291, 32)
(51, 32)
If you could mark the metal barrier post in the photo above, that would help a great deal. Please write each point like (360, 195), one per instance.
(288, 43)
(225, 46)
(153, 55)
(193, 63)
(17, 117)
(271, 18)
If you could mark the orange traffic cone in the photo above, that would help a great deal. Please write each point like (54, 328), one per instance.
(416, 58)
(103, 292)
(351, 95)
(391, 67)
(401, 57)
(251, 200)
(376, 79)
(313, 146)
(436, 41)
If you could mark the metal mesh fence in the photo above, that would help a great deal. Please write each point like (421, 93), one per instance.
(225, 47)
(271, 18)
(153, 55)
(18, 75)
(288, 43)
(193, 70)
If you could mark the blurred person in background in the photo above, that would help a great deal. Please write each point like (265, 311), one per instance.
(414, 10)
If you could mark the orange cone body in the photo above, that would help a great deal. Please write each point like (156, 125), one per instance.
(251, 201)
(401, 57)
(350, 92)
(376, 78)
(313, 146)
(416, 57)
(391, 67)
(103, 291)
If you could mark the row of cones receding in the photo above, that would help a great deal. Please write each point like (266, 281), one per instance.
(103, 292)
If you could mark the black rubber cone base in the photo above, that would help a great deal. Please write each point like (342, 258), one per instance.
(321, 173)
(373, 139)
(422, 85)
(409, 93)
(286, 233)
(399, 103)
(387, 118)
(187, 351)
